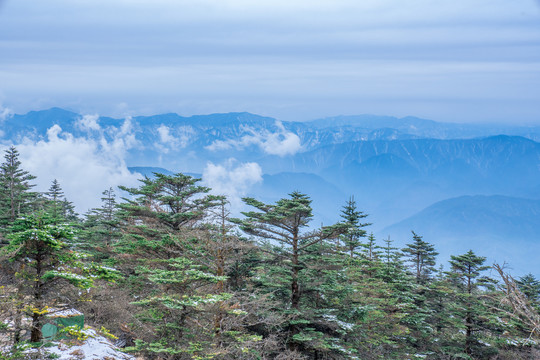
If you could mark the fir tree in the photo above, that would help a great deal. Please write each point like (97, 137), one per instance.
(57, 205)
(177, 261)
(466, 273)
(102, 225)
(44, 263)
(370, 256)
(15, 195)
(54, 195)
(530, 286)
(422, 256)
(301, 274)
(352, 218)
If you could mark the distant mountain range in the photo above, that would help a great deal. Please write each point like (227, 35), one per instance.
(457, 184)
(504, 228)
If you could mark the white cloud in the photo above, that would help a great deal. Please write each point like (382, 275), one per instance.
(89, 123)
(84, 167)
(5, 113)
(53, 131)
(122, 140)
(232, 180)
(181, 138)
(280, 143)
(165, 135)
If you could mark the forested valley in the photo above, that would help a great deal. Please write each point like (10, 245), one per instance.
(167, 272)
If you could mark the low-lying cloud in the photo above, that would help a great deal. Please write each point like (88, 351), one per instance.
(232, 179)
(4, 114)
(84, 167)
(89, 123)
(281, 142)
(173, 138)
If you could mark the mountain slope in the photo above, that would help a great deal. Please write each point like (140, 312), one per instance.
(503, 228)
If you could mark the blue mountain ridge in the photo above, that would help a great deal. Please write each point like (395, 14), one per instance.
(503, 228)
(394, 167)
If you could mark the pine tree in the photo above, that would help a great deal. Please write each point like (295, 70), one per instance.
(68, 211)
(530, 286)
(102, 225)
(44, 264)
(385, 296)
(58, 206)
(351, 217)
(54, 195)
(15, 195)
(466, 273)
(177, 260)
(422, 256)
(301, 274)
(370, 256)
(393, 264)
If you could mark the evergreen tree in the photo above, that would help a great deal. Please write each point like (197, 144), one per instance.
(301, 275)
(177, 261)
(352, 218)
(440, 301)
(393, 265)
(530, 286)
(422, 256)
(15, 195)
(45, 264)
(370, 256)
(57, 205)
(385, 294)
(102, 225)
(68, 211)
(54, 195)
(466, 273)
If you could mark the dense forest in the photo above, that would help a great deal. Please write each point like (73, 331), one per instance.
(168, 272)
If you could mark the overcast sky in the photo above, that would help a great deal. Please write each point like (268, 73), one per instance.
(447, 60)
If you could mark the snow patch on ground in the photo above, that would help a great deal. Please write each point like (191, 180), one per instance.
(96, 347)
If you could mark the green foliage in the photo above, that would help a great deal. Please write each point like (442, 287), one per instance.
(303, 274)
(191, 288)
(15, 196)
(75, 332)
(57, 206)
(352, 218)
(530, 286)
(465, 275)
(176, 245)
(421, 255)
(44, 263)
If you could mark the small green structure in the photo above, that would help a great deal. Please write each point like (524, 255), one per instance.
(59, 319)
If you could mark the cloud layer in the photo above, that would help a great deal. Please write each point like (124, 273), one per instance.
(173, 139)
(281, 142)
(232, 179)
(457, 60)
(84, 167)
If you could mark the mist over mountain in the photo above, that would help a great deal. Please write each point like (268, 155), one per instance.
(504, 228)
(422, 128)
(408, 173)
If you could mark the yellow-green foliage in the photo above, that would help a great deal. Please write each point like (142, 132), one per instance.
(75, 331)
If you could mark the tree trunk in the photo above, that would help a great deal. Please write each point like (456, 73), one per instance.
(36, 335)
(468, 334)
(295, 290)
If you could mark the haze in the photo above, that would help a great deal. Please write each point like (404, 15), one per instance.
(458, 61)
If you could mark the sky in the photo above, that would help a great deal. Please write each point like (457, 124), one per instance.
(456, 61)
